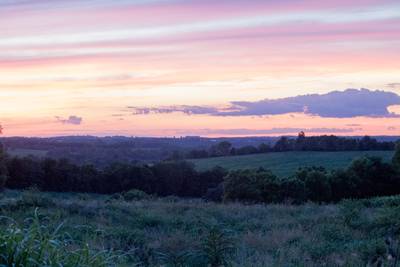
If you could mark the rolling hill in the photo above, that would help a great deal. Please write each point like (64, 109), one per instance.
(286, 163)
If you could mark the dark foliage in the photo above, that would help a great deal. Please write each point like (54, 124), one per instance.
(102, 151)
(366, 177)
(396, 157)
(301, 143)
(163, 179)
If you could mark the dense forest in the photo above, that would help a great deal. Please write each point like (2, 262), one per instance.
(365, 177)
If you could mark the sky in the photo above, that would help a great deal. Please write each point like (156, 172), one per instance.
(199, 67)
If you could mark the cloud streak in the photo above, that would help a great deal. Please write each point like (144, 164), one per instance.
(324, 17)
(74, 120)
(188, 110)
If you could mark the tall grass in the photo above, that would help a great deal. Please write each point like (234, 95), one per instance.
(217, 247)
(98, 231)
(36, 244)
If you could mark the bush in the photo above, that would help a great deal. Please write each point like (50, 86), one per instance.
(215, 194)
(316, 182)
(344, 184)
(350, 213)
(385, 202)
(374, 177)
(33, 198)
(135, 194)
(251, 185)
(294, 190)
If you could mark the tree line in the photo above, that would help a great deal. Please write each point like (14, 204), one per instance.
(60, 175)
(366, 177)
(301, 143)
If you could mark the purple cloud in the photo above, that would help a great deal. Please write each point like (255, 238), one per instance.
(337, 104)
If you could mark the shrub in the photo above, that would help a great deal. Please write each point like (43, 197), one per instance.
(386, 202)
(350, 213)
(375, 177)
(215, 194)
(344, 184)
(250, 185)
(171, 199)
(316, 182)
(33, 198)
(135, 194)
(294, 190)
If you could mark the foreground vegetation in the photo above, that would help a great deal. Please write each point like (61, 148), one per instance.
(62, 229)
(141, 221)
(285, 164)
(129, 227)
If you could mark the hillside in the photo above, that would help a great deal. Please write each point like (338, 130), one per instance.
(172, 232)
(100, 151)
(286, 163)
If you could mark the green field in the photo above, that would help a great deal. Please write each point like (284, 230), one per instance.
(21, 152)
(286, 163)
(102, 231)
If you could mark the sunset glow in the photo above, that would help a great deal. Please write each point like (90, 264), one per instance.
(84, 67)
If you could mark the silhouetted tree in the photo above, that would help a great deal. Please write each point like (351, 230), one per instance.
(375, 178)
(316, 182)
(300, 141)
(283, 144)
(264, 148)
(24, 172)
(344, 184)
(251, 185)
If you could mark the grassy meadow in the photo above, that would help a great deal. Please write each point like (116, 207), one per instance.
(286, 163)
(101, 230)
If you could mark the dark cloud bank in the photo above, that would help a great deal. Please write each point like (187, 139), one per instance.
(337, 104)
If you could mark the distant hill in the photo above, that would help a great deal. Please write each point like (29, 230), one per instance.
(286, 163)
(101, 151)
